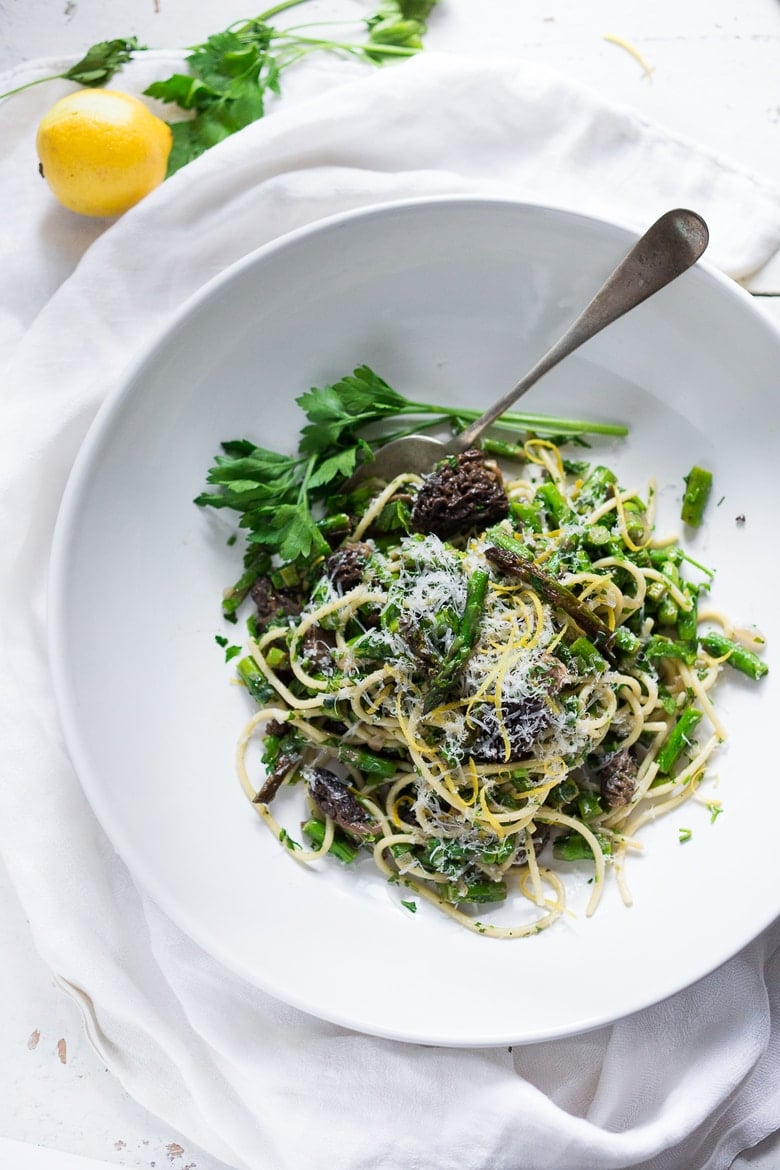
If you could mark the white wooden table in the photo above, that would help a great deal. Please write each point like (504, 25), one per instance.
(707, 69)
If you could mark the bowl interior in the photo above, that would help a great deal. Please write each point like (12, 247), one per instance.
(450, 301)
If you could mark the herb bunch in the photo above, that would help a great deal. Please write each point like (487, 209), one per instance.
(231, 73)
(278, 497)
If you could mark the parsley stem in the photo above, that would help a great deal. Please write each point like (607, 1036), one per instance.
(30, 84)
(277, 8)
(697, 565)
(371, 50)
(303, 494)
(517, 420)
(296, 28)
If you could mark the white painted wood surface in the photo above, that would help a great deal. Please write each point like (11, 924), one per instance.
(707, 69)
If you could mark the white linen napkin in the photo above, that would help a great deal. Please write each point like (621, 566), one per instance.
(688, 1083)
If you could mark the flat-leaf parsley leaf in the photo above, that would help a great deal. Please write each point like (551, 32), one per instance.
(279, 498)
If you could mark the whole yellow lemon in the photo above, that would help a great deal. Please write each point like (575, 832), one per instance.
(101, 151)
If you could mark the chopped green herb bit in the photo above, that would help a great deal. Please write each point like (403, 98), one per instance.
(287, 840)
(230, 651)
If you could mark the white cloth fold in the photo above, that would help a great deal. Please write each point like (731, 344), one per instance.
(690, 1082)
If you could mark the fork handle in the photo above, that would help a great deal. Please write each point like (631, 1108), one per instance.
(667, 249)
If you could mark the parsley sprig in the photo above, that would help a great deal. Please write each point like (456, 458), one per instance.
(278, 497)
(98, 65)
(231, 73)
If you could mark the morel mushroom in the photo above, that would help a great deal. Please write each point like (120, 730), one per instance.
(273, 603)
(465, 491)
(334, 799)
(523, 721)
(618, 779)
(346, 565)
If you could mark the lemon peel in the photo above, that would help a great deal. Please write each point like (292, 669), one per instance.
(101, 151)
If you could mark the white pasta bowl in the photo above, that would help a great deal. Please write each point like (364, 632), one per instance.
(449, 300)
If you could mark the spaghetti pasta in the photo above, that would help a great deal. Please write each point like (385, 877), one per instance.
(480, 712)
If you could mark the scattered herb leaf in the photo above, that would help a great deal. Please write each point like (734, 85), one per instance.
(230, 651)
(287, 840)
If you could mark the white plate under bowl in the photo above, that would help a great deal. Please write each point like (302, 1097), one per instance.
(449, 300)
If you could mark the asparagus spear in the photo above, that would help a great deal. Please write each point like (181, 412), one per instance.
(474, 892)
(661, 647)
(688, 620)
(556, 594)
(698, 485)
(314, 829)
(719, 646)
(574, 847)
(367, 762)
(678, 739)
(584, 649)
(463, 643)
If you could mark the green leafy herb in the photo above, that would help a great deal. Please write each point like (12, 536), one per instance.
(98, 65)
(101, 61)
(230, 651)
(401, 23)
(228, 78)
(279, 497)
(412, 906)
(289, 841)
(231, 73)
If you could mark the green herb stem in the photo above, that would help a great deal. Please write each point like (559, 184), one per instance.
(270, 13)
(29, 84)
(373, 49)
(516, 420)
